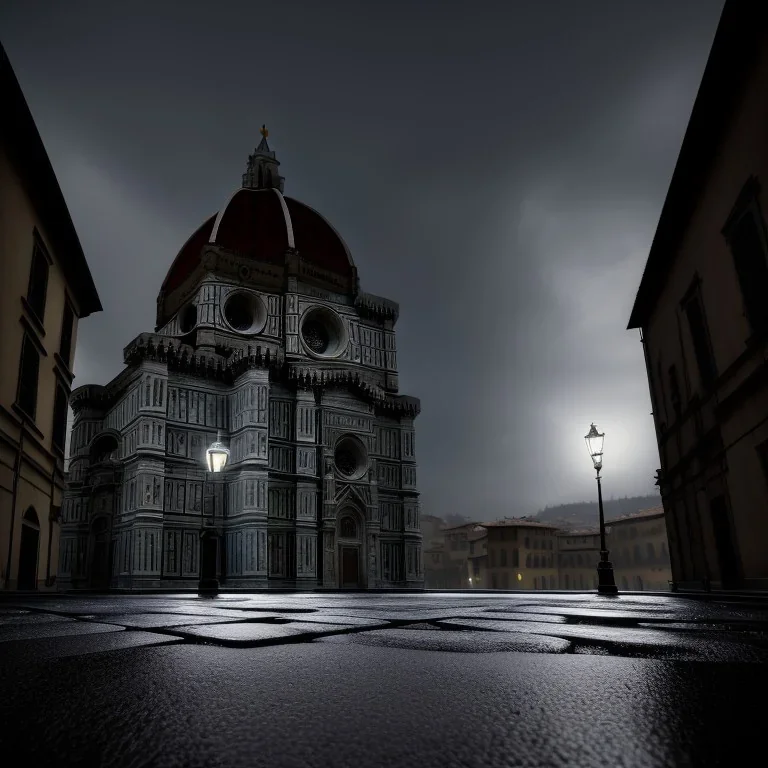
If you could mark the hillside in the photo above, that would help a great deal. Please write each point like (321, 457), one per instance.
(583, 514)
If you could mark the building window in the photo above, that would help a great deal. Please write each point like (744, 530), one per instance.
(67, 331)
(29, 371)
(515, 558)
(745, 234)
(59, 432)
(503, 558)
(702, 349)
(38, 282)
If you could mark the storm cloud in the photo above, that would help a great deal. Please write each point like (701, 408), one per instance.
(498, 168)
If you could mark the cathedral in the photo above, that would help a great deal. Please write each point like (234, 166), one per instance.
(265, 344)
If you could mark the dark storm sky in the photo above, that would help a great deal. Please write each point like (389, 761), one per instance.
(498, 168)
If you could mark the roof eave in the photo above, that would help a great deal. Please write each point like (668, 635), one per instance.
(28, 153)
(729, 60)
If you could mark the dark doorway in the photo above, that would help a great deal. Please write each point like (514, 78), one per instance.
(726, 552)
(350, 567)
(28, 550)
(208, 564)
(100, 564)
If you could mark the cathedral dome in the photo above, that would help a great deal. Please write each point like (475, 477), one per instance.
(258, 222)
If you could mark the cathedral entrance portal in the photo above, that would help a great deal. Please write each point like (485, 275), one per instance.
(349, 537)
(350, 566)
(100, 565)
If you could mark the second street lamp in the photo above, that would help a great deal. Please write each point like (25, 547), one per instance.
(606, 584)
(216, 458)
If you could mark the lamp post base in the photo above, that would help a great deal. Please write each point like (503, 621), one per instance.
(208, 587)
(606, 584)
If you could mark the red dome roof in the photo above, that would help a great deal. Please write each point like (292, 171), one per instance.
(261, 224)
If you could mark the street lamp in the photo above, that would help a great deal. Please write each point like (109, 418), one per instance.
(606, 584)
(216, 458)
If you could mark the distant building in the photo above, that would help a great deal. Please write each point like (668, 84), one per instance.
(521, 554)
(433, 549)
(702, 308)
(578, 553)
(264, 340)
(639, 551)
(45, 288)
(454, 567)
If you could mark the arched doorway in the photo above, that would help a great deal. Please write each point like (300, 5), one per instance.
(29, 550)
(100, 562)
(350, 537)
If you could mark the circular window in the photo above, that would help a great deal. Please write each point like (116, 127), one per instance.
(188, 318)
(350, 458)
(245, 312)
(323, 333)
(315, 336)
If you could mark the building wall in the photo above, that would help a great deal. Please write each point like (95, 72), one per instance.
(578, 555)
(522, 557)
(709, 450)
(640, 553)
(38, 486)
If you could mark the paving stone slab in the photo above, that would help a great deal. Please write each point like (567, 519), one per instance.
(147, 620)
(27, 651)
(253, 633)
(545, 618)
(687, 645)
(454, 641)
(28, 618)
(52, 629)
(358, 621)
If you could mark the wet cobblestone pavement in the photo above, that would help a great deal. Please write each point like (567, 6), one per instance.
(434, 679)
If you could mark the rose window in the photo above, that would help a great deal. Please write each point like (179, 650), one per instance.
(315, 336)
(346, 461)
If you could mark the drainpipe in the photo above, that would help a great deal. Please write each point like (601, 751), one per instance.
(14, 494)
(48, 581)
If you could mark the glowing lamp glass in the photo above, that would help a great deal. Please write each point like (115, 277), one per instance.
(216, 457)
(594, 440)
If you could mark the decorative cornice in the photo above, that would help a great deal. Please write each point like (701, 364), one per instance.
(89, 395)
(316, 376)
(183, 358)
(311, 376)
(377, 306)
(411, 406)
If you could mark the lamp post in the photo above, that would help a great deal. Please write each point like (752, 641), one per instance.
(606, 584)
(216, 458)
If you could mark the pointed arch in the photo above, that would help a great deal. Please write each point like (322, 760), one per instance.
(30, 518)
